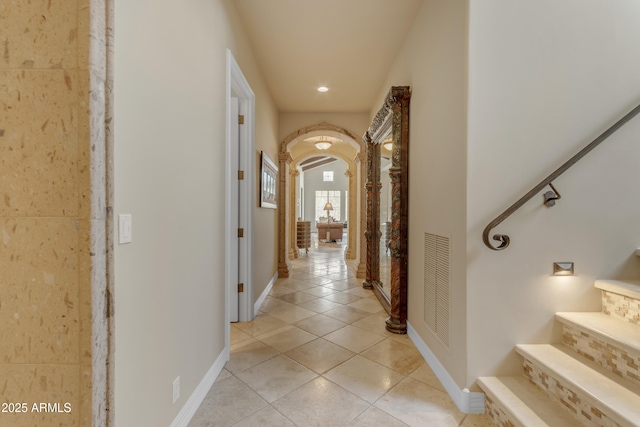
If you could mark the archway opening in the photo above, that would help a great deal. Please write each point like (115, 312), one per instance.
(299, 156)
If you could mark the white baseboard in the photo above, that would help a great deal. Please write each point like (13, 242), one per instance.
(195, 400)
(264, 294)
(466, 401)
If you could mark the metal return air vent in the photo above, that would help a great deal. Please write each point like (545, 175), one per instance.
(437, 290)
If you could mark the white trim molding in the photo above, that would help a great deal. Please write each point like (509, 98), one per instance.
(265, 293)
(237, 84)
(467, 402)
(195, 400)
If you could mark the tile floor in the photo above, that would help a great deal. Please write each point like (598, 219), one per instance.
(317, 354)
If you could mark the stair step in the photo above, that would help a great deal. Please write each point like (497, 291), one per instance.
(516, 400)
(614, 331)
(621, 299)
(627, 288)
(607, 340)
(582, 386)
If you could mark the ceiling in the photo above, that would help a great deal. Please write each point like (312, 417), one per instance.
(345, 45)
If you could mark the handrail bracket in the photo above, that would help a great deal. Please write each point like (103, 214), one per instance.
(550, 197)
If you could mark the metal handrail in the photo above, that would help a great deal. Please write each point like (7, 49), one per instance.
(550, 196)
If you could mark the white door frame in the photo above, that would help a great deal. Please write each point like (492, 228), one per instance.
(238, 86)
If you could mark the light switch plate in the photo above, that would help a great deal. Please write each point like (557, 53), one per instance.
(124, 228)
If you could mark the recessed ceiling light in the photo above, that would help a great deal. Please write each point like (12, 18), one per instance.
(323, 89)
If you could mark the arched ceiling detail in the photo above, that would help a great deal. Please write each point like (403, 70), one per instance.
(320, 129)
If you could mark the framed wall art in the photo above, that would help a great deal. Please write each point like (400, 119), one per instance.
(268, 182)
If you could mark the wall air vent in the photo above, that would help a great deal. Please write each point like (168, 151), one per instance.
(437, 285)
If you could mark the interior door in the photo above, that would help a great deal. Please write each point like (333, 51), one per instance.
(234, 250)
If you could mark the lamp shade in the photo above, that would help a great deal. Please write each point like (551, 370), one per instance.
(328, 207)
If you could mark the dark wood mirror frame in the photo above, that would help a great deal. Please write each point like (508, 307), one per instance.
(392, 120)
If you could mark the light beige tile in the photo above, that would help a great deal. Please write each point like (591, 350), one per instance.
(300, 285)
(319, 291)
(224, 374)
(341, 285)
(322, 280)
(361, 292)
(374, 323)
(367, 304)
(364, 378)
(319, 305)
(248, 354)
(292, 314)
(37, 35)
(238, 336)
(39, 151)
(419, 405)
(425, 375)
(343, 297)
(297, 297)
(299, 276)
(352, 338)
(41, 383)
(286, 338)
(39, 312)
(401, 358)
(276, 377)
(266, 417)
(374, 417)
(320, 355)
(320, 325)
(272, 304)
(401, 338)
(320, 403)
(228, 401)
(347, 314)
(318, 279)
(280, 290)
(477, 420)
(260, 325)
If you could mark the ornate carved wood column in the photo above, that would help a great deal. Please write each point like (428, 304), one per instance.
(284, 159)
(398, 245)
(362, 221)
(293, 231)
(372, 232)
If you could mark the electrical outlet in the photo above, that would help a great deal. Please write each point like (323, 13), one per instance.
(176, 389)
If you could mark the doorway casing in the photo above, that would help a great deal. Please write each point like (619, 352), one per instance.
(242, 213)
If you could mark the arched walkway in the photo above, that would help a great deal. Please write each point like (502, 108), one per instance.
(353, 157)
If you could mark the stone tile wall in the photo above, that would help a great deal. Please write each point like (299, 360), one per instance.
(582, 410)
(496, 413)
(621, 306)
(617, 360)
(48, 211)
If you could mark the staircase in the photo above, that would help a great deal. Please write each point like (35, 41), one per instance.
(591, 379)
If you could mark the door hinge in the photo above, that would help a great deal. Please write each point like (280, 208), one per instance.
(240, 287)
(240, 175)
(241, 119)
(240, 232)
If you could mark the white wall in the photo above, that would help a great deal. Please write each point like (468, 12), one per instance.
(433, 62)
(545, 78)
(169, 174)
(313, 181)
